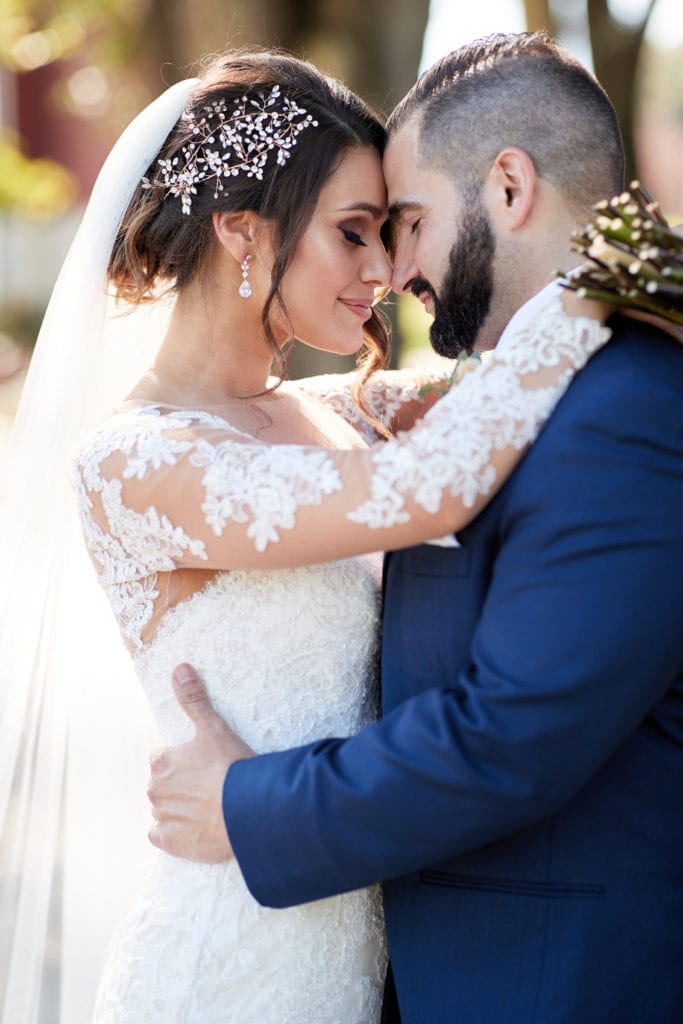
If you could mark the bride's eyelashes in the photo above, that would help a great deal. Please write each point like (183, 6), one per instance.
(414, 225)
(352, 236)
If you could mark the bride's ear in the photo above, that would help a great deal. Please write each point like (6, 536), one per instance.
(240, 232)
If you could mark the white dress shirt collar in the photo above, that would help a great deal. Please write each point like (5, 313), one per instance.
(526, 313)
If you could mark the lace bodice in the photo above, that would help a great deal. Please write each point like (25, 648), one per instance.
(162, 489)
(288, 656)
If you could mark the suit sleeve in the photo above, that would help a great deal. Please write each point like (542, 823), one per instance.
(579, 637)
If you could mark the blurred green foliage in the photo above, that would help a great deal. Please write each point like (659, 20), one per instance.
(118, 54)
(39, 32)
(20, 322)
(36, 189)
(36, 33)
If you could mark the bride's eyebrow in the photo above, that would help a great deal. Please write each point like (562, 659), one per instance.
(376, 212)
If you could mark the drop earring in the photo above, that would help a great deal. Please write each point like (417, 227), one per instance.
(245, 287)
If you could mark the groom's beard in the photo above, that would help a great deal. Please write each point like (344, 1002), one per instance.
(465, 299)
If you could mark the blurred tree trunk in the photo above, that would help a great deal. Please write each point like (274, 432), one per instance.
(538, 16)
(364, 42)
(615, 47)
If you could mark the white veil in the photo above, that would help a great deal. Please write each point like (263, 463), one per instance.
(74, 731)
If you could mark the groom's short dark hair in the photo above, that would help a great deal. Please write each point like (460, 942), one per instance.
(517, 90)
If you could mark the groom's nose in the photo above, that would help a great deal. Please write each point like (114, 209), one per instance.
(405, 269)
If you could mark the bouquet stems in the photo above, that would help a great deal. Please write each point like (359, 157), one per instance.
(634, 259)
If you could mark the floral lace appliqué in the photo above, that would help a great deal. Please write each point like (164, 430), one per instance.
(288, 656)
(384, 395)
(136, 546)
(488, 411)
(271, 505)
(243, 481)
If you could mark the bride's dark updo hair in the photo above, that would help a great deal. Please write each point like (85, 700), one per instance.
(159, 244)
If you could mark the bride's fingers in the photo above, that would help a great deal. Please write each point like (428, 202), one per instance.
(674, 330)
(575, 305)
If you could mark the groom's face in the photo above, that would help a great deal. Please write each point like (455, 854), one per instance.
(445, 245)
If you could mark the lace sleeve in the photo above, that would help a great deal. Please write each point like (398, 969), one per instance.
(392, 396)
(159, 491)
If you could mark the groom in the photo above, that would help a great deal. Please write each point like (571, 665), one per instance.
(521, 797)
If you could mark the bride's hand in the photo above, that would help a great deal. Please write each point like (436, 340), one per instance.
(597, 310)
(675, 330)
(186, 784)
(575, 305)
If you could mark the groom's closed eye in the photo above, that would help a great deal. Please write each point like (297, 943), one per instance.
(397, 210)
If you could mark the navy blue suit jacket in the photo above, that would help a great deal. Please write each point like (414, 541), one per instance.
(521, 797)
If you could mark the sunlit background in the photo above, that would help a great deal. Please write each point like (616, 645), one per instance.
(74, 72)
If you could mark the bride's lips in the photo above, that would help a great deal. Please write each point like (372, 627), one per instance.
(361, 307)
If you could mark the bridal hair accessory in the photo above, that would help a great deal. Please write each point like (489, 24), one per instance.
(245, 287)
(225, 144)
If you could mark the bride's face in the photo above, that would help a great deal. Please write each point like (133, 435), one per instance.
(340, 266)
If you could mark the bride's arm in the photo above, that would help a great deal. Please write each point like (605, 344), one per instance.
(184, 490)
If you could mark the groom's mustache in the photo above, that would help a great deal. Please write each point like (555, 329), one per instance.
(420, 285)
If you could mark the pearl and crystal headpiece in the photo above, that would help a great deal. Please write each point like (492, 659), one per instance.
(227, 142)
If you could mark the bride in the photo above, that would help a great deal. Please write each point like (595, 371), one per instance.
(232, 517)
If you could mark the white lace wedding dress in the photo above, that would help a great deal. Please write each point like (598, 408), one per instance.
(287, 650)
(288, 657)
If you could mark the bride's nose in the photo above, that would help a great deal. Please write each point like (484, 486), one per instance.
(377, 269)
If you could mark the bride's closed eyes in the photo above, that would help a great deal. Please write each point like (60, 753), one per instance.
(386, 232)
(352, 236)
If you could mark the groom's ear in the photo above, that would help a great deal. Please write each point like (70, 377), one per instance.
(511, 188)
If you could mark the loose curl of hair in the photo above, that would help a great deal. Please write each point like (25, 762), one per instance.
(158, 243)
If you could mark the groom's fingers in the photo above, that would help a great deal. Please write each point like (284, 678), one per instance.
(191, 694)
(154, 836)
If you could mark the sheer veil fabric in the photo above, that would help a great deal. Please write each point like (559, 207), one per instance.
(74, 730)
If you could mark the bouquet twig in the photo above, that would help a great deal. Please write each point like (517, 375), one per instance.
(635, 258)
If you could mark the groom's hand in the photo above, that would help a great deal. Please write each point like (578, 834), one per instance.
(186, 786)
